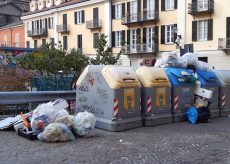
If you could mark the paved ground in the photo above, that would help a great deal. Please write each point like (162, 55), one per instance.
(172, 143)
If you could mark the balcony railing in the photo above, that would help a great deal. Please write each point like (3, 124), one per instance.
(63, 28)
(224, 43)
(92, 24)
(206, 6)
(140, 48)
(140, 17)
(12, 44)
(37, 32)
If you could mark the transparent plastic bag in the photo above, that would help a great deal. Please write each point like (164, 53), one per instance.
(190, 58)
(67, 120)
(60, 114)
(56, 132)
(84, 124)
(203, 66)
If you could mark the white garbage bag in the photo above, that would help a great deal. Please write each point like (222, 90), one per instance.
(84, 124)
(56, 132)
(61, 113)
(190, 58)
(203, 66)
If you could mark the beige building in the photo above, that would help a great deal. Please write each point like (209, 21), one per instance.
(143, 29)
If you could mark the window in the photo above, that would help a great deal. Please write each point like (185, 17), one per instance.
(169, 4)
(169, 34)
(51, 22)
(118, 11)
(204, 59)
(133, 11)
(35, 44)
(118, 38)
(43, 24)
(79, 17)
(202, 32)
(16, 40)
(95, 36)
(65, 43)
(27, 44)
(5, 40)
(43, 42)
(27, 26)
(202, 5)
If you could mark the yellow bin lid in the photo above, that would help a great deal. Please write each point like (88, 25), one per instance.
(120, 77)
(152, 77)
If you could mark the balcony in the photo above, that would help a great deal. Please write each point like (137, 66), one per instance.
(64, 28)
(93, 24)
(140, 17)
(206, 6)
(37, 33)
(140, 48)
(224, 43)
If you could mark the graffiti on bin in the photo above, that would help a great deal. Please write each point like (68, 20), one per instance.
(83, 88)
(82, 99)
(90, 108)
(103, 95)
(90, 80)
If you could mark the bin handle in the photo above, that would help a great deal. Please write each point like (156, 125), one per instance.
(128, 79)
(161, 79)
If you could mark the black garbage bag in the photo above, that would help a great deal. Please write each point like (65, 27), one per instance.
(203, 114)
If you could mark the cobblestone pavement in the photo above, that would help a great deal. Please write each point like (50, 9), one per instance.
(172, 143)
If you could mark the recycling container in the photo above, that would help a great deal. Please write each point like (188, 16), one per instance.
(224, 91)
(209, 81)
(155, 96)
(182, 91)
(112, 94)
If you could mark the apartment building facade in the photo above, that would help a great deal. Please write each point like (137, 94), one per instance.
(143, 29)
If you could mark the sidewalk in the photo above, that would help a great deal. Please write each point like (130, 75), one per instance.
(172, 143)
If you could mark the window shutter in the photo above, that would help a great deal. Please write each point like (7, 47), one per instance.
(32, 25)
(75, 17)
(144, 4)
(157, 6)
(113, 11)
(194, 31)
(128, 37)
(49, 23)
(40, 24)
(138, 36)
(175, 4)
(228, 27)
(83, 16)
(113, 38)
(210, 29)
(46, 23)
(123, 37)
(123, 9)
(163, 34)
(128, 7)
(37, 24)
(162, 5)
(138, 6)
(144, 35)
(156, 40)
(175, 34)
(95, 36)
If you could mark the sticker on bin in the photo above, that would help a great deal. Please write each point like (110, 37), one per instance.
(149, 104)
(204, 93)
(161, 97)
(185, 97)
(129, 98)
(223, 100)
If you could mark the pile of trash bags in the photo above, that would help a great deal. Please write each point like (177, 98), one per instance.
(188, 60)
(51, 122)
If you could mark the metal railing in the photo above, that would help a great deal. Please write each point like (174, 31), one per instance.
(140, 48)
(12, 44)
(96, 23)
(63, 28)
(140, 17)
(37, 32)
(223, 43)
(206, 6)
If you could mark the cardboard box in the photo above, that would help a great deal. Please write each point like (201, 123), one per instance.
(203, 93)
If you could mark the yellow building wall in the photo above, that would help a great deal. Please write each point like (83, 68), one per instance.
(77, 29)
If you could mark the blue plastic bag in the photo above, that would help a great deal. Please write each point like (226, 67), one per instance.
(192, 115)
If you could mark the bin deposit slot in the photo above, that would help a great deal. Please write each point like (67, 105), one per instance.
(127, 80)
(160, 79)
